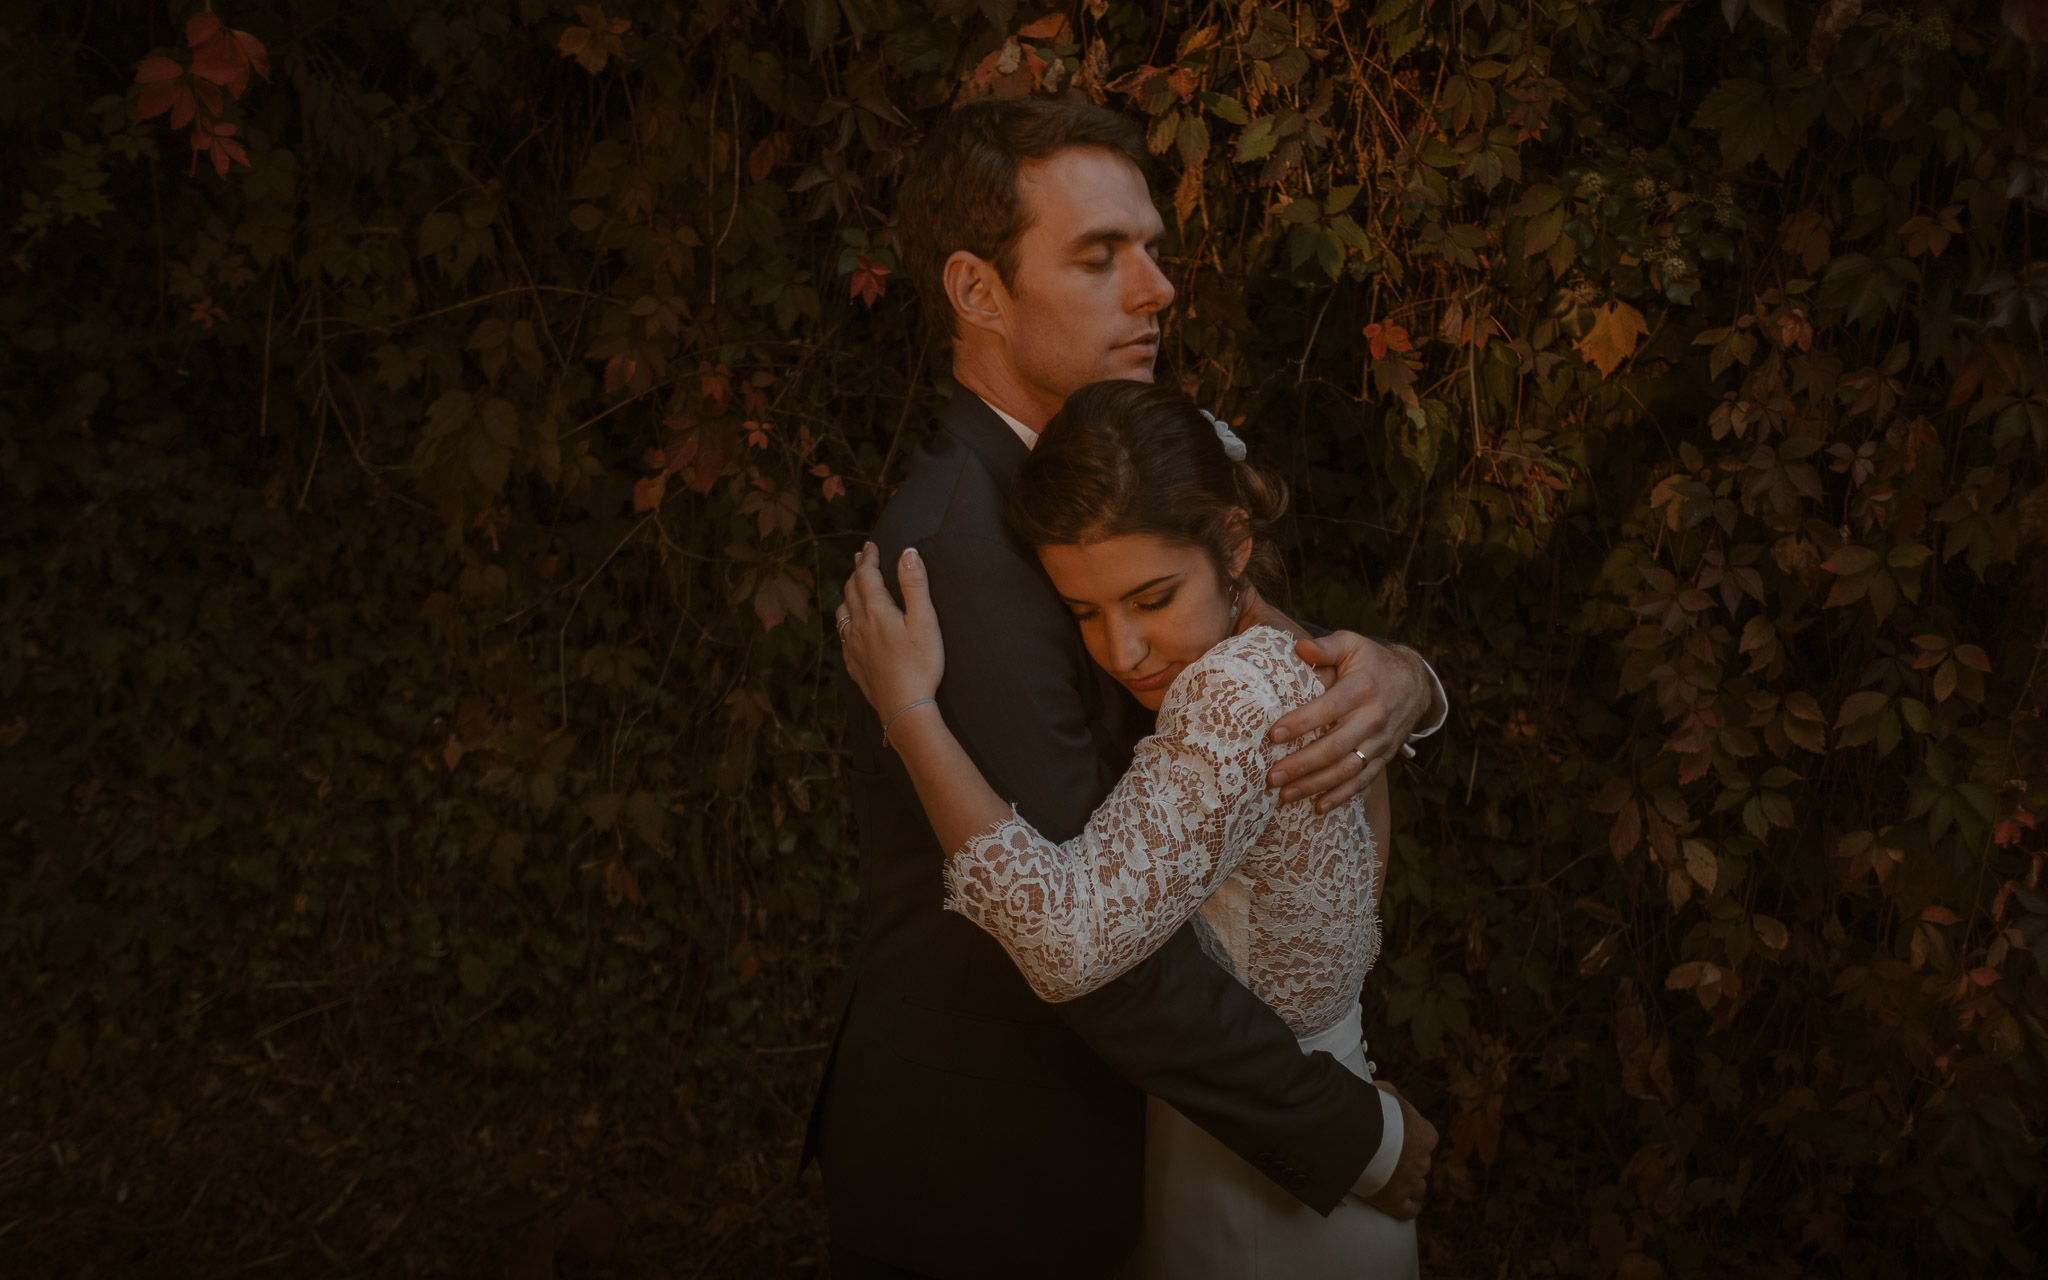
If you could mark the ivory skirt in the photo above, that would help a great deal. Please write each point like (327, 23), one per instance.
(1210, 1216)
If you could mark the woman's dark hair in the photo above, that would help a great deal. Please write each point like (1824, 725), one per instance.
(1127, 458)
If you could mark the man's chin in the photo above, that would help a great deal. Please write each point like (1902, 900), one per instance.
(1133, 369)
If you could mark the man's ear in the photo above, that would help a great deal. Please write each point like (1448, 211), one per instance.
(976, 291)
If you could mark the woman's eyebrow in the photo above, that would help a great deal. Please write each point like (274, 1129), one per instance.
(1138, 590)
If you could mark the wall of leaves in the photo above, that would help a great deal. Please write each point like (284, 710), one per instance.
(429, 427)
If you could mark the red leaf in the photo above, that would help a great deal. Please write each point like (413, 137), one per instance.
(649, 491)
(2013, 829)
(1940, 915)
(2027, 19)
(1385, 338)
(225, 150)
(226, 57)
(253, 50)
(156, 68)
(1615, 794)
(869, 280)
(1051, 27)
(201, 27)
(215, 136)
(175, 98)
(717, 382)
(1626, 832)
(710, 456)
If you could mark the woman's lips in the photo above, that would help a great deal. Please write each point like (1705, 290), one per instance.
(1145, 684)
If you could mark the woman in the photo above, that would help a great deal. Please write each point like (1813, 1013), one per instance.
(1159, 541)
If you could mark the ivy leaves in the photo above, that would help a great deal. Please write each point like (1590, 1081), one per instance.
(222, 60)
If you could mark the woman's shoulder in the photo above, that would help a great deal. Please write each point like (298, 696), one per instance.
(1259, 663)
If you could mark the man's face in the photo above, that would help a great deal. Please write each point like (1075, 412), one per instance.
(1085, 300)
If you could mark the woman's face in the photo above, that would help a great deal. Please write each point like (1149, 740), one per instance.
(1147, 607)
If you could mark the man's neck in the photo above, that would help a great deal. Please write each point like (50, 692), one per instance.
(998, 386)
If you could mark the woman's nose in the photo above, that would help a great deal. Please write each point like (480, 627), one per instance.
(1127, 647)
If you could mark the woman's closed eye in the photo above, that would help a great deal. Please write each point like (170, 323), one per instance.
(1156, 603)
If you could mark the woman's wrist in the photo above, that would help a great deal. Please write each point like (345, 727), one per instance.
(907, 712)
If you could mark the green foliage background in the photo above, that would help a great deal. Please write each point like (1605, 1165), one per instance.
(412, 546)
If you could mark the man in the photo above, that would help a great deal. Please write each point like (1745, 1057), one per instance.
(967, 1129)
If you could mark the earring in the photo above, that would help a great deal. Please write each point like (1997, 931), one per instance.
(1236, 599)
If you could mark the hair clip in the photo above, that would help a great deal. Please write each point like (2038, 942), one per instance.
(1233, 448)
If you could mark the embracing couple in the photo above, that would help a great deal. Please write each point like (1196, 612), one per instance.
(1123, 823)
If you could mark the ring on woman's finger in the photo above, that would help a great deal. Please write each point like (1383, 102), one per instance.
(1363, 759)
(845, 621)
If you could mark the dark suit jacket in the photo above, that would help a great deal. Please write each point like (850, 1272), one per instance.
(967, 1128)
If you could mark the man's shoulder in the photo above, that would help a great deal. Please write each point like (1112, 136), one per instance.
(949, 491)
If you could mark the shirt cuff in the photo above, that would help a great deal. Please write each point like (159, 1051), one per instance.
(1442, 702)
(1381, 1170)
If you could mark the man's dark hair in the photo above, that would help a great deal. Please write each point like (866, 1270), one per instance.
(961, 190)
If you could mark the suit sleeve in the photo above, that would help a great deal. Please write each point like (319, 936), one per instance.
(1176, 1025)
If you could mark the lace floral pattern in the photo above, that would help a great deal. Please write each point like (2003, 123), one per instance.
(1286, 896)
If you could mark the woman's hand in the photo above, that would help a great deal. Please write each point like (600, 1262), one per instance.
(895, 655)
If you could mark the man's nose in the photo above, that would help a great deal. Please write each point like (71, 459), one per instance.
(1151, 290)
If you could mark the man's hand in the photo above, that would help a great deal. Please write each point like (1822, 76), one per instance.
(1381, 693)
(1402, 1196)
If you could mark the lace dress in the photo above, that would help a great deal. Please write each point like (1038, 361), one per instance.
(1284, 897)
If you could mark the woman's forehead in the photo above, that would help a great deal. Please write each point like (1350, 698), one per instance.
(1108, 568)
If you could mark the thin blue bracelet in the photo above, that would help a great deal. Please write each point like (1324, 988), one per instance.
(899, 715)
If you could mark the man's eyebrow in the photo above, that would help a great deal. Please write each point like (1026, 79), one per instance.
(1113, 236)
(1138, 590)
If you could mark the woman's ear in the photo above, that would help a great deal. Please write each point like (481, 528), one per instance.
(1240, 535)
(976, 291)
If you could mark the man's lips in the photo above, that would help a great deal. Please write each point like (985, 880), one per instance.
(1144, 342)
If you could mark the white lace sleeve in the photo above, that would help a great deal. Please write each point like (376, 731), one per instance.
(1075, 915)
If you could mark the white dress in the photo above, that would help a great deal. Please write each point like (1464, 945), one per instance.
(1283, 897)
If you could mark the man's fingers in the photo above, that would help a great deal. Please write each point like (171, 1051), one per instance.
(1331, 650)
(1328, 709)
(1328, 761)
(1335, 783)
(1344, 791)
